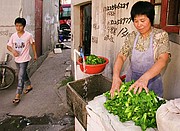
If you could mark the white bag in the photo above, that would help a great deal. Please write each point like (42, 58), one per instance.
(99, 119)
(168, 116)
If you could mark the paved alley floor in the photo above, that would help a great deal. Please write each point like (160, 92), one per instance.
(46, 96)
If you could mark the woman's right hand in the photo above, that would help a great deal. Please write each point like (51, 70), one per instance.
(15, 53)
(115, 86)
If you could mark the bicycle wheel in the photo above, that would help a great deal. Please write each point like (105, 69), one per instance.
(7, 77)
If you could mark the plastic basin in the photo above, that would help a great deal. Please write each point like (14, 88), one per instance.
(93, 69)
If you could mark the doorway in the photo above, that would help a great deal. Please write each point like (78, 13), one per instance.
(86, 16)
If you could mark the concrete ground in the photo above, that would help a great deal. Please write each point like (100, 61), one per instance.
(46, 98)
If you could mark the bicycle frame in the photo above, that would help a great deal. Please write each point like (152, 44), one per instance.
(3, 76)
(5, 68)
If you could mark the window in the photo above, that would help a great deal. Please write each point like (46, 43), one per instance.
(167, 15)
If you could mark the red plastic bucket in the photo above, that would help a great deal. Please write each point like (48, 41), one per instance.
(93, 69)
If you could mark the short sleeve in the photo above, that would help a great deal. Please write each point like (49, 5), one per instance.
(163, 44)
(126, 49)
(10, 42)
(31, 39)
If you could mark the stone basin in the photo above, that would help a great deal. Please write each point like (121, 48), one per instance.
(80, 92)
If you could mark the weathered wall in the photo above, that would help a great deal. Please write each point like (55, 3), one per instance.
(110, 25)
(50, 24)
(28, 12)
(7, 14)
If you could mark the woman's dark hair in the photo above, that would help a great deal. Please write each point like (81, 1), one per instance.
(143, 8)
(21, 21)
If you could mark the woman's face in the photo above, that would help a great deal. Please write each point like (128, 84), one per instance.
(142, 24)
(19, 27)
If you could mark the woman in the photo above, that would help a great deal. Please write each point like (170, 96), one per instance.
(19, 45)
(148, 50)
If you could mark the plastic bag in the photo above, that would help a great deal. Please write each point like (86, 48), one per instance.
(168, 116)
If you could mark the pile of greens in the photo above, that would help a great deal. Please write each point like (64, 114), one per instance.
(140, 108)
(94, 60)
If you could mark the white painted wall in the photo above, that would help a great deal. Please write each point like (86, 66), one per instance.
(9, 11)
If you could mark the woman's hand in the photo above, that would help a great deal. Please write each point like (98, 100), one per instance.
(35, 57)
(34, 51)
(116, 71)
(115, 86)
(141, 83)
(15, 53)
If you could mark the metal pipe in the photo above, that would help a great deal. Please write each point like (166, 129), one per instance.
(75, 68)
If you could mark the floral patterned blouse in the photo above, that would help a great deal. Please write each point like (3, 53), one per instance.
(160, 43)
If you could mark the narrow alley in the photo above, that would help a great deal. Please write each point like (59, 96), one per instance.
(46, 98)
(94, 65)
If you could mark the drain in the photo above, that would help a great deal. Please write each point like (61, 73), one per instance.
(13, 123)
(67, 120)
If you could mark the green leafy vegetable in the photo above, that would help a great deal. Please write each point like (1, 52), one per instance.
(140, 108)
(94, 60)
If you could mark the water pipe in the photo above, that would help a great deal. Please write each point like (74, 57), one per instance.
(75, 63)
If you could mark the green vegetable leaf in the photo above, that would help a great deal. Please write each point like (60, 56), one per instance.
(140, 108)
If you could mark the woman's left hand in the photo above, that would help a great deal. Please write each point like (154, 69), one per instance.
(35, 57)
(139, 85)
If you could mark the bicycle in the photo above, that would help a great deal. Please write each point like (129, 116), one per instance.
(7, 74)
